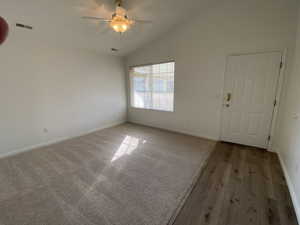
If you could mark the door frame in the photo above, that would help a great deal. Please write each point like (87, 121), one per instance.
(279, 87)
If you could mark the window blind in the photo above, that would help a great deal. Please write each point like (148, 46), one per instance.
(152, 86)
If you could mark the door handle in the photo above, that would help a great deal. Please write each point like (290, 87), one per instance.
(228, 98)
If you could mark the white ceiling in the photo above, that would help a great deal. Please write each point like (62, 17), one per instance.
(59, 22)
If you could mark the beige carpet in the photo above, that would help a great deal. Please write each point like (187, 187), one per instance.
(125, 175)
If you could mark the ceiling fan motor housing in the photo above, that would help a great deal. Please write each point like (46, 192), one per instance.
(120, 11)
(118, 2)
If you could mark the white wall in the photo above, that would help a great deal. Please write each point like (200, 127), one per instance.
(199, 49)
(69, 92)
(287, 139)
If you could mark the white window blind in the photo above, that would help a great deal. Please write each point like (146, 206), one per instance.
(152, 86)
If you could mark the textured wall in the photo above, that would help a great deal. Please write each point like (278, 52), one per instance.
(65, 91)
(199, 49)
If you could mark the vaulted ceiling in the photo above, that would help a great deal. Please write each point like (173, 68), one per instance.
(59, 22)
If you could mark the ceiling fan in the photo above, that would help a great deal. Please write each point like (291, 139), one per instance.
(119, 21)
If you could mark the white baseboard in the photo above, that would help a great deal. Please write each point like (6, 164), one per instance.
(291, 187)
(29, 148)
(180, 131)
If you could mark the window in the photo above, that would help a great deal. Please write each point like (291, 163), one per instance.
(152, 86)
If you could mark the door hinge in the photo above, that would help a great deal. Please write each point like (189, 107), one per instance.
(281, 65)
(275, 102)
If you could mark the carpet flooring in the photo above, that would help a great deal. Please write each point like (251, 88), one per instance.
(125, 175)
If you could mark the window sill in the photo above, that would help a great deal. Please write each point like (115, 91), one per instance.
(155, 110)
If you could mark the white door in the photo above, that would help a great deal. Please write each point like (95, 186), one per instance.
(249, 97)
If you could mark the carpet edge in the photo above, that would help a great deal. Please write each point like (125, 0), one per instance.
(189, 190)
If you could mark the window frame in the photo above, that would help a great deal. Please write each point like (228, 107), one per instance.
(131, 100)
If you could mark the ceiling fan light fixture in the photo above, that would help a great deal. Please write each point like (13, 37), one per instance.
(119, 21)
(120, 24)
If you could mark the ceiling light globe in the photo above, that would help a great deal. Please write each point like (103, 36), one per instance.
(120, 25)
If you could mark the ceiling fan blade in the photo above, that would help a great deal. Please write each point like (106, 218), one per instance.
(142, 21)
(95, 18)
(104, 30)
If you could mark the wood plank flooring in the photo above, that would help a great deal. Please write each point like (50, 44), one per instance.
(239, 186)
